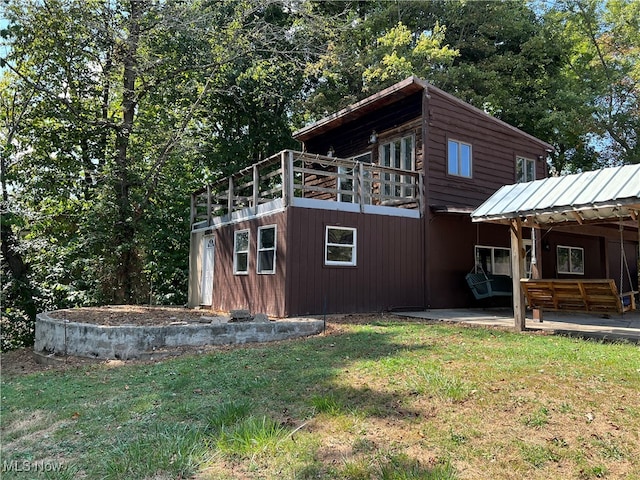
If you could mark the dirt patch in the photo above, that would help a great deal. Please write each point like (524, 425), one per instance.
(133, 315)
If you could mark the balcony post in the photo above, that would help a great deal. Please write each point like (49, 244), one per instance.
(360, 193)
(256, 189)
(286, 167)
(192, 213)
(209, 205)
(421, 199)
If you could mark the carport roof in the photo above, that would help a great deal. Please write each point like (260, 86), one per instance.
(596, 196)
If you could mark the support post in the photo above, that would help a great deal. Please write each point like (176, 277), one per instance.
(517, 262)
(230, 197)
(536, 264)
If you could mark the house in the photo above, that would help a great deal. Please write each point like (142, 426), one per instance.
(373, 213)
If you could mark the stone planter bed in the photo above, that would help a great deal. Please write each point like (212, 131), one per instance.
(145, 332)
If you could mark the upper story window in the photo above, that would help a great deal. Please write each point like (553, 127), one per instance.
(525, 169)
(241, 252)
(267, 249)
(459, 158)
(399, 153)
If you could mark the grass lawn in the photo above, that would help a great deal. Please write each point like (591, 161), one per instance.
(384, 399)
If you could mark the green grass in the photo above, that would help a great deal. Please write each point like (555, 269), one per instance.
(384, 400)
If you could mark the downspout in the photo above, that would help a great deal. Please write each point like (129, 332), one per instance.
(426, 290)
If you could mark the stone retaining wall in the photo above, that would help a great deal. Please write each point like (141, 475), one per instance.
(62, 337)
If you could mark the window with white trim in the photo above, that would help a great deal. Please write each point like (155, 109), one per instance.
(399, 153)
(494, 260)
(241, 252)
(266, 250)
(525, 170)
(570, 260)
(459, 158)
(340, 246)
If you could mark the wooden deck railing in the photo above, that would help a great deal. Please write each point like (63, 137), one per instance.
(292, 175)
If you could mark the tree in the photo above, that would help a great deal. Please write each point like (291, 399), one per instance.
(136, 104)
(602, 62)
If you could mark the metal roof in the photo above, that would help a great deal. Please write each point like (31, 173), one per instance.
(601, 195)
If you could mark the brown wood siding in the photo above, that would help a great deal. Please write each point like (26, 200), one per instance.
(494, 150)
(452, 241)
(389, 267)
(601, 256)
(353, 138)
(260, 293)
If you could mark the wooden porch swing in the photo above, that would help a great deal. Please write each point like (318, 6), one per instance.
(593, 296)
(597, 296)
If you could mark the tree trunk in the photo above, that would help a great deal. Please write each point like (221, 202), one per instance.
(17, 266)
(127, 268)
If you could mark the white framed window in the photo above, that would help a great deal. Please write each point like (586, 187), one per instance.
(459, 158)
(525, 170)
(241, 252)
(340, 246)
(494, 260)
(267, 250)
(399, 153)
(570, 259)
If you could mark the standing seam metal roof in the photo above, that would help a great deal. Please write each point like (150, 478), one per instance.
(596, 195)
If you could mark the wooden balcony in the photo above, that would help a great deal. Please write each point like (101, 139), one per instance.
(292, 178)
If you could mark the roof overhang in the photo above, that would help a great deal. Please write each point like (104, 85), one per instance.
(392, 94)
(606, 195)
(381, 99)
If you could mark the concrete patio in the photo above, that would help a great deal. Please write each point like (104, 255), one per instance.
(608, 327)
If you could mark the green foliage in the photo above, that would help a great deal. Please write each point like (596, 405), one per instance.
(404, 53)
(326, 404)
(250, 436)
(402, 467)
(16, 329)
(175, 450)
(436, 383)
(101, 174)
(228, 414)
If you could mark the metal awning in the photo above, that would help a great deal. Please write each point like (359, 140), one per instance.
(602, 195)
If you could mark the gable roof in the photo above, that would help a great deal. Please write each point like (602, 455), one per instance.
(390, 95)
(601, 195)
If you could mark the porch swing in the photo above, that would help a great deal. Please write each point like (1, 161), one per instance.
(593, 296)
(487, 285)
